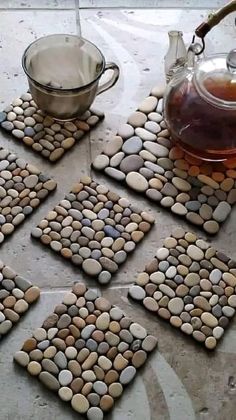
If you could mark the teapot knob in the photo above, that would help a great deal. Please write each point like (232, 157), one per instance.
(231, 61)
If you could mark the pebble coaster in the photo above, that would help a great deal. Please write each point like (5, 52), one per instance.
(94, 228)
(45, 135)
(22, 187)
(16, 294)
(142, 155)
(87, 351)
(190, 284)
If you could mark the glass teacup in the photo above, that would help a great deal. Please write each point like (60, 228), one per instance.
(63, 74)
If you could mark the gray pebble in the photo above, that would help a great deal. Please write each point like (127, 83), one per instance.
(132, 145)
(127, 375)
(7, 125)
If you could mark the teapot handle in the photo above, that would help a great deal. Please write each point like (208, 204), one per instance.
(214, 19)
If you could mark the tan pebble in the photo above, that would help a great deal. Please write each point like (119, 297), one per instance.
(176, 306)
(22, 358)
(150, 304)
(202, 303)
(102, 304)
(56, 154)
(32, 294)
(190, 237)
(176, 321)
(104, 363)
(230, 279)
(227, 184)
(115, 390)
(155, 183)
(208, 181)
(194, 218)
(182, 270)
(196, 312)
(114, 327)
(232, 301)
(142, 279)
(210, 343)
(209, 319)
(192, 279)
(80, 403)
(137, 236)
(187, 328)
(182, 290)
(170, 242)
(120, 362)
(103, 321)
(164, 313)
(21, 306)
(219, 264)
(144, 226)
(87, 388)
(199, 336)
(79, 289)
(34, 368)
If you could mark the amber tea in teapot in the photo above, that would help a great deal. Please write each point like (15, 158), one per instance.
(197, 126)
(200, 99)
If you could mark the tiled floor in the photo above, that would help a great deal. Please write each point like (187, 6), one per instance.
(181, 381)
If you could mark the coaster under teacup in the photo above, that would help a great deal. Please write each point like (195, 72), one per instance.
(42, 133)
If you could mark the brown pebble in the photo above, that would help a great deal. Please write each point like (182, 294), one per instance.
(106, 403)
(139, 358)
(76, 385)
(9, 302)
(128, 354)
(29, 345)
(87, 388)
(120, 362)
(111, 376)
(98, 336)
(66, 253)
(70, 340)
(112, 352)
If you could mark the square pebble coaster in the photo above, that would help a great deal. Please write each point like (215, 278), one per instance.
(22, 188)
(142, 155)
(16, 294)
(45, 135)
(190, 284)
(94, 228)
(87, 351)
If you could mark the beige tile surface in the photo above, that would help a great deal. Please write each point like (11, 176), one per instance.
(182, 381)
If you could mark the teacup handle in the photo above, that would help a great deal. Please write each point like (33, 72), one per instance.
(115, 76)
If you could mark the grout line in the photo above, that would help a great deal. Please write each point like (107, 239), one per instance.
(47, 290)
(167, 8)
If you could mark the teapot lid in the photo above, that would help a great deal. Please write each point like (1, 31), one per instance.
(215, 79)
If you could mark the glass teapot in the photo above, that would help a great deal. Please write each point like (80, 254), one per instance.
(200, 99)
